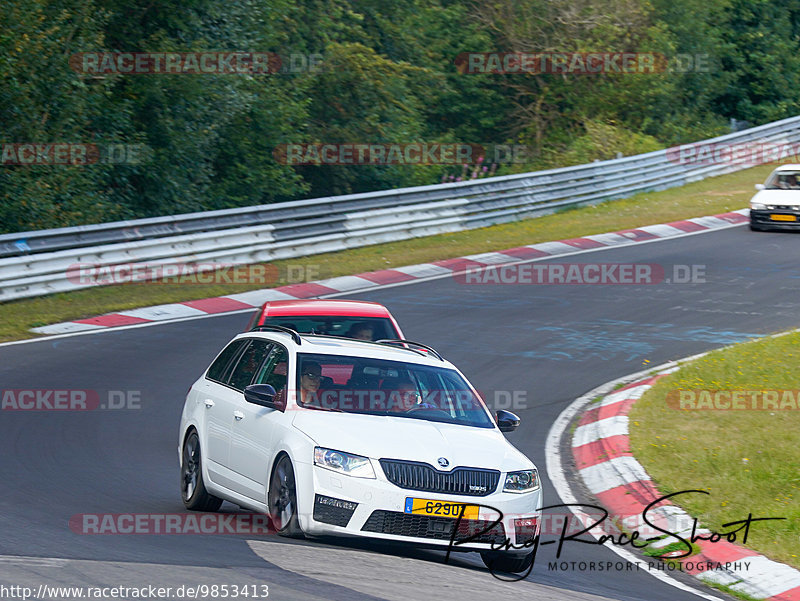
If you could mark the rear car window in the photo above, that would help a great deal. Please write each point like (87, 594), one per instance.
(249, 363)
(220, 368)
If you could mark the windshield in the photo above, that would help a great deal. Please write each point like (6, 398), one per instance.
(784, 180)
(360, 328)
(389, 388)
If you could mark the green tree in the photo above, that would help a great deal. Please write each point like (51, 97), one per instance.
(760, 58)
(42, 101)
(211, 134)
(362, 97)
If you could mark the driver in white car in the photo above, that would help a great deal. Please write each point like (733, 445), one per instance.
(788, 182)
(402, 396)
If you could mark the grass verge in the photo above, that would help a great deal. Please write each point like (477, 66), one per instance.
(747, 459)
(707, 197)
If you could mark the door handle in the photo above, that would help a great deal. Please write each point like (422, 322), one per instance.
(209, 403)
(238, 415)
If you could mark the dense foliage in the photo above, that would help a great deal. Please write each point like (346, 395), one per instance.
(388, 74)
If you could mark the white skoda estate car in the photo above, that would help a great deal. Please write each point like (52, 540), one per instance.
(331, 436)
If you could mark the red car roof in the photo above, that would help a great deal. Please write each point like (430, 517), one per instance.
(325, 307)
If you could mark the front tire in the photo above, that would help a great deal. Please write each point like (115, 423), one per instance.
(193, 489)
(283, 500)
(506, 562)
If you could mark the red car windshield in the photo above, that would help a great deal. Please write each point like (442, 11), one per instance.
(361, 328)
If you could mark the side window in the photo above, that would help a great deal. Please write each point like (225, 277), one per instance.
(221, 367)
(275, 369)
(249, 363)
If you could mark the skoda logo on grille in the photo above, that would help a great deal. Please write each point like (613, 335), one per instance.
(443, 462)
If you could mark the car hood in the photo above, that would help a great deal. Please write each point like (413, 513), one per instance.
(777, 197)
(384, 437)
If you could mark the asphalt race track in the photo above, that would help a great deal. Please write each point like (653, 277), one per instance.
(551, 342)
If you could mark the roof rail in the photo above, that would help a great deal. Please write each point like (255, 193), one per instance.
(271, 328)
(410, 344)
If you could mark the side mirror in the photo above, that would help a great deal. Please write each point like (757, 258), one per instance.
(759, 187)
(506, 421)
(262, 395)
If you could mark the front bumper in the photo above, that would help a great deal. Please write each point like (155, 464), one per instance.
(339, 505)
(763, 218)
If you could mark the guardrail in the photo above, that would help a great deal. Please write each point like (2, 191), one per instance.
(37, 263)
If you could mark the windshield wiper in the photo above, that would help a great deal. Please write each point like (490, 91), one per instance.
(322, 408)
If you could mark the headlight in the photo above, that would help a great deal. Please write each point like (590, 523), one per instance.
(346, 463)
(757, 206)
(524, 481)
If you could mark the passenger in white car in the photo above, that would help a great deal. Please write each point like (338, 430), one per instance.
(310, 376)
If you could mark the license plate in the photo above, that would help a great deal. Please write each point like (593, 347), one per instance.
(783, 217)
(445, 509)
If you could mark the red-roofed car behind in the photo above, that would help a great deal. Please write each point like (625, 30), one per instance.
(347, 318)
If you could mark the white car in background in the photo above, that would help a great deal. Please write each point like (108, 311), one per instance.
(776, 205)
(331, 436)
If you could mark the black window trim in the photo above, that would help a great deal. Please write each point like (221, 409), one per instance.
(275, 347)
(233, 360)
(250, 341)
